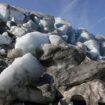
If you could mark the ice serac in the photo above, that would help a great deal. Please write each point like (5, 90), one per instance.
(45, 61)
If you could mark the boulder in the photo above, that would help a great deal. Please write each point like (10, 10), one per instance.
(10, 23)
(62, 26)
(5, 39)
(22, 72)
(47, 24)
(73, 69)
(90, 93)
(30, 26)
(61, 63)
(83, 35)
(57, 41)
(102, 49)
(31, 42)
(93, 49)
(18, 31)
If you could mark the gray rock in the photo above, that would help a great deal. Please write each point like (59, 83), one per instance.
(5, 39)
(102, 48)
(48, 50)
(3, 27)
(93, 49)
(100, 38)
(60, 63)
(30, 26)
(10, 24)
(91, 93)
(30, 96)
(18, 31)
(3, 65)
(42, 95)
(83, 35)
(62, 26)
(72, 36)
(65, 37)
(36, 20)
(57, 40)
(47, 24)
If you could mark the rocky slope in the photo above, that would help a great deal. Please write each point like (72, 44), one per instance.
(45, 61)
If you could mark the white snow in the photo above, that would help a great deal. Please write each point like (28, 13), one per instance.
(21, 71)
(31, 42)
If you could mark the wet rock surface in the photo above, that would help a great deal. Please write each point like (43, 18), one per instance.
(45, 61)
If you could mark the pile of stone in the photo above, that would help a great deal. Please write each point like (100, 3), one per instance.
(45, 61)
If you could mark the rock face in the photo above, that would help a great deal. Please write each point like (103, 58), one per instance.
(45, 61)
(93, 93)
